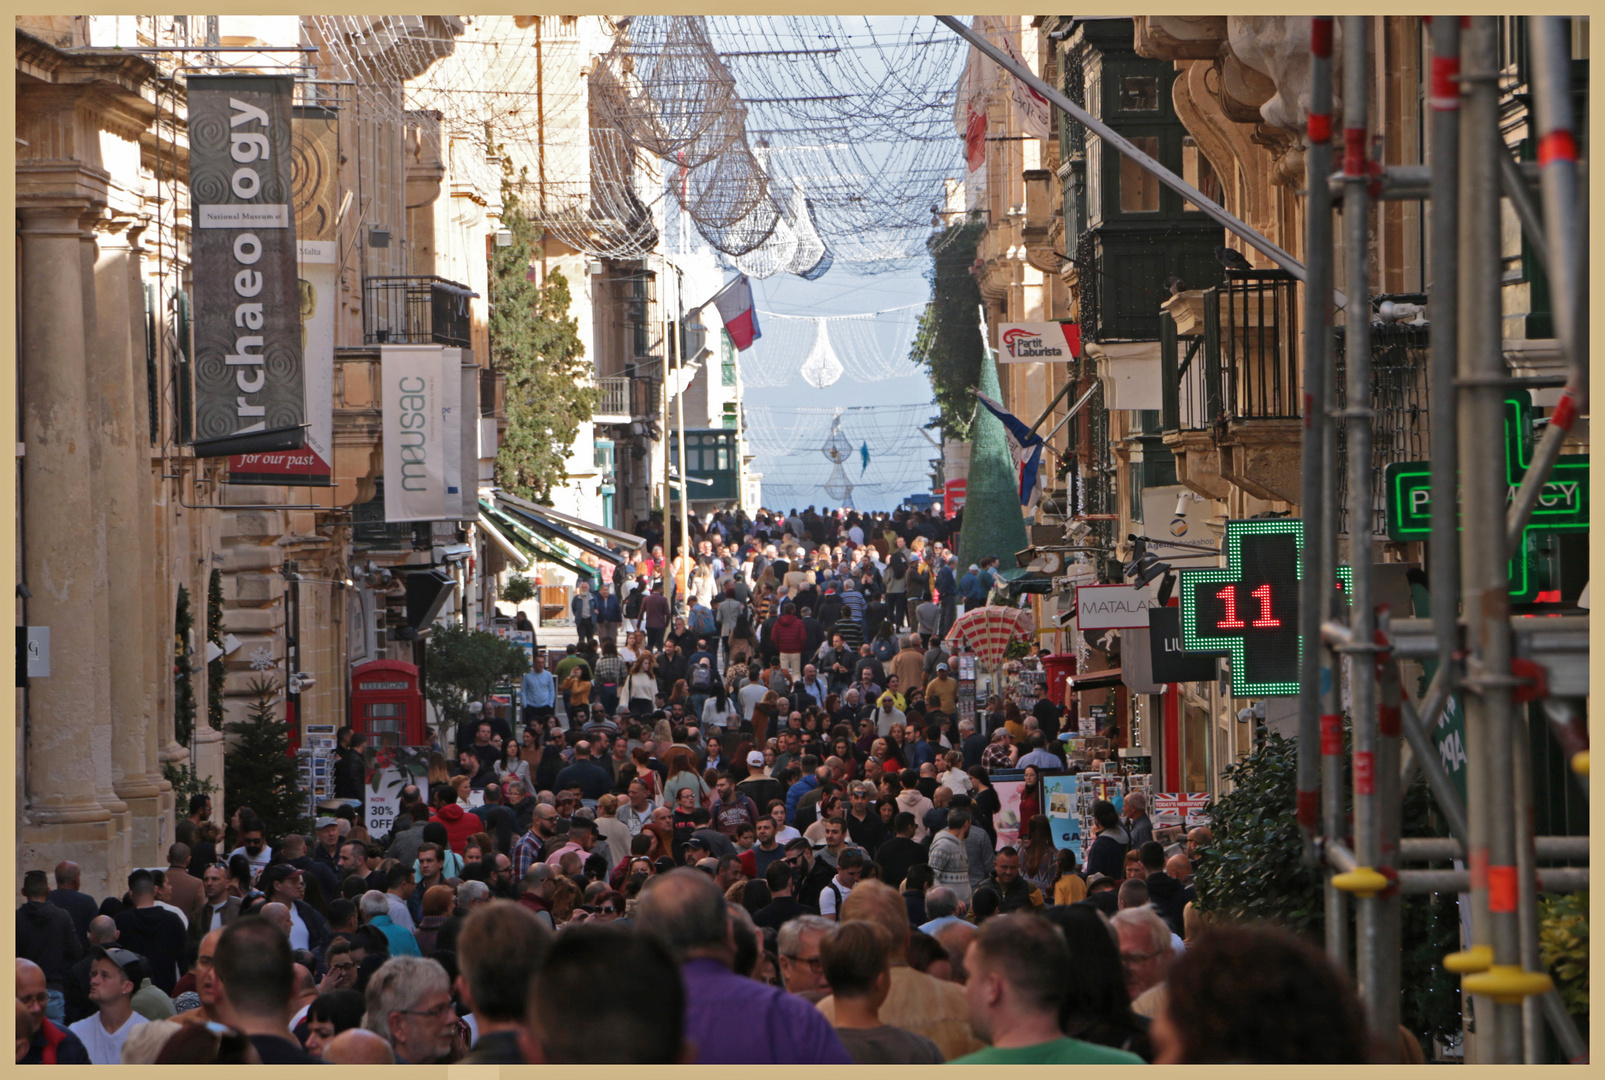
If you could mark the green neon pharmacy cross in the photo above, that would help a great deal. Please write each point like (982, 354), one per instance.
(1562, 505)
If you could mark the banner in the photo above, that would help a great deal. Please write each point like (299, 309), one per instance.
(1061, 803)
(1006, 822)
(414, 395)
(315, 160)
(1173, 809)
(391, 768)
(1031, 109)
(250, 394)
(1038, 342)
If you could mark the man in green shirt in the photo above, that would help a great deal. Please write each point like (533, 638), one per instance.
(1016, 965)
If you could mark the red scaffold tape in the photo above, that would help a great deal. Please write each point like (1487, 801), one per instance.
(1565, 414)
(1331, 735)
(1309, 809)
(1365, 773)
(1388, 720)
(1354, 151)
(1321, 36)
(1557, 146)
(1445, 95)
(1502, 888)
(1320, 127)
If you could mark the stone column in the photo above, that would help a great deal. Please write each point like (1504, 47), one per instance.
(68, 745)
(123, 509)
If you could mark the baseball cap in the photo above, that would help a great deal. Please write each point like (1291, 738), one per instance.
(325, 822)
(755, 759)
(131, 964)
(698, 842)
(1099, 879)
(941, 667)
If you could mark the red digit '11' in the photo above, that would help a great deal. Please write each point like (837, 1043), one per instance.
(1228, 596)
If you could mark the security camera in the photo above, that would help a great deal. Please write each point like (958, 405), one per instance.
(301, 682)
(1181, 504)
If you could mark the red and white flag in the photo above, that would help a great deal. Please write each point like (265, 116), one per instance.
(740, 319)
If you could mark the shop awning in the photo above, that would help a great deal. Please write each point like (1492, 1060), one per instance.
(541, 548)
(629, 540)
(1095, 680)
(520, 559)
(534, 518)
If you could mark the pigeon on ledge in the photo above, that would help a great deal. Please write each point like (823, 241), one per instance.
(1232, 259)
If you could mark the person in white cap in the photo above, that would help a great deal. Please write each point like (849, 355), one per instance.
(759, 786)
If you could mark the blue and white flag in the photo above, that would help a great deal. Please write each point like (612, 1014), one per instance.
(1025, 447)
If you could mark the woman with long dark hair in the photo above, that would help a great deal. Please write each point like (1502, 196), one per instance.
(1039, 857)
(641, 688)
(1097, 1008)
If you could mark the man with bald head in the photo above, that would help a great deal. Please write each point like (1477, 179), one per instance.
(917, 1002)
(69, 898)
(75, 985)
(955, 938)
(358, 1046)
(278, 915)
(1178, 867)
(48, 1044)
(730, 1019)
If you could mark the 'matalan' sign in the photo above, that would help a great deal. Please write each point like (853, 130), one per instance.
(1112, 607)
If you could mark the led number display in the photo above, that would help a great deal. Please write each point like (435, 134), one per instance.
(1250, 607)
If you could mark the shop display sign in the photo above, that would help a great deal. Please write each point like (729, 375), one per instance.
(1250, 607)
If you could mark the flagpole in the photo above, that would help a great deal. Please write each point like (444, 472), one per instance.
(679, 408)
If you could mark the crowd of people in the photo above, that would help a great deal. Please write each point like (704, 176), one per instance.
(755, 830)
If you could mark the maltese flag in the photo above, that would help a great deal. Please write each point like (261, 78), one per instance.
(1025, 447)
(740, 319)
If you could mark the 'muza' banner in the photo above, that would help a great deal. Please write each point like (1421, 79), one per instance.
(249, 391)
(422, 391)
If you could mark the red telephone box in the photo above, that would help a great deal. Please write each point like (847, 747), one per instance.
(1059, 666)
(387, 704)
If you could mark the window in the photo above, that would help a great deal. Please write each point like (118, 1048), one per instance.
(1139, 188)
(727, 360)
(1139, 93)
(1197, 171)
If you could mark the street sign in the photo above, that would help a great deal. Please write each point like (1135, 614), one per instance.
(1113, 607)
(1250, 607)
(1562, 505)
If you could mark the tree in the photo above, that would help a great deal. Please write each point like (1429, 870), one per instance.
(948, 341)
(183, 671)
(535, 345)
(1255, 870)
(258, 769)
(217, 669)
(518, 589)
(462, 665)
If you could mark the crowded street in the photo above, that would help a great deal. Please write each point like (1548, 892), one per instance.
(802, 540)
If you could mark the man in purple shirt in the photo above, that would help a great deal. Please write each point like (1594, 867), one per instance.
(729, 1019)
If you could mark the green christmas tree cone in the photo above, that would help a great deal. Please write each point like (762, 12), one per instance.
(992, 521)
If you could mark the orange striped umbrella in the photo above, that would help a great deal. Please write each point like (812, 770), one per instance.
(988, 630)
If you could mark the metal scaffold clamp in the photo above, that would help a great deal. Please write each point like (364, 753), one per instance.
(1508, 984)
(1363, 881)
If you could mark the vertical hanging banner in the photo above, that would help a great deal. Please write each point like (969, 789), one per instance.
(451, 428)
(417, 395)
(315, 156)
(250, 393)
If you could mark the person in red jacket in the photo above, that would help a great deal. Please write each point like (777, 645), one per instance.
(790, 637)
(460, 825)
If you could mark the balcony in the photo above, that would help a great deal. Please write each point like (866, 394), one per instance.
(623, 398)
(1399, 432)
(1230, 395)
(416, 311)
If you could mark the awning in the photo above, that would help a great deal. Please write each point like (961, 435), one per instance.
(520, 559)
(535, 518)
(1095, 680)
(629, 540)
(557, 517)
(541, 548)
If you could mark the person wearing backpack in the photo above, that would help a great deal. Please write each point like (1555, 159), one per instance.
(632, 604)
(700, 620)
